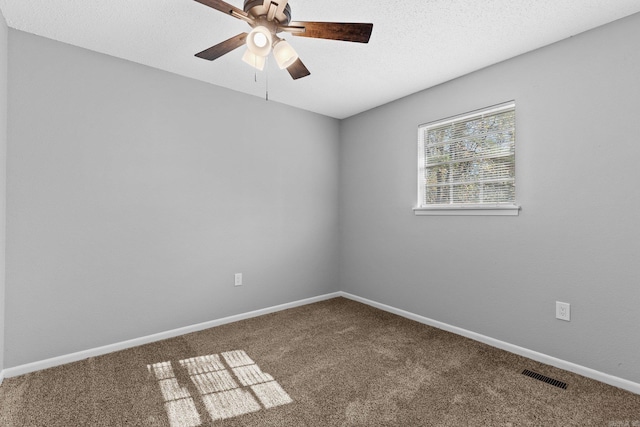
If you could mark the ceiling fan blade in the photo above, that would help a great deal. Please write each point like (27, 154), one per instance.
(215, 52)
(298, 70)
(350, 32)
(225, 7)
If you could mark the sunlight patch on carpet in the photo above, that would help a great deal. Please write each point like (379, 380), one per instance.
(237, 358)
(214, 382)
(271, 394)
(250, 375)
(202, 364)
(230, 404)
(215, 379)
(180, 407)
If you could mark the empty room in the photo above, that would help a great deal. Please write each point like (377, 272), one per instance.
(319, 213)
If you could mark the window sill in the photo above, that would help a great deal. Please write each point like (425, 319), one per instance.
(511, 210)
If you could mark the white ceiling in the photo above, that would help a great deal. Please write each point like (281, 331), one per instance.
(415, 44)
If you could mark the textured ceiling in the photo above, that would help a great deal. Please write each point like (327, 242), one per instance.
(415, 44)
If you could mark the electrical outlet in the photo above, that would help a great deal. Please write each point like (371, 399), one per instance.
(563, 311)
(238, 279)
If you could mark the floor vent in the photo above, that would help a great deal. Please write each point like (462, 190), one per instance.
(545, 379)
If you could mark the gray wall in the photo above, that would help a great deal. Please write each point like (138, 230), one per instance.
(577, 238)
(134, 195)
(3, 172)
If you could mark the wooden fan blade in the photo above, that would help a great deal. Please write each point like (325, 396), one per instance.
(298, 70)
(224, 7)
(350, 32)
(215, 52)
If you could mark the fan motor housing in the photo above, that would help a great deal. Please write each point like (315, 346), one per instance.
(256, 9)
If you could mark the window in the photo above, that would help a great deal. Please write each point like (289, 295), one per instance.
(466, 164)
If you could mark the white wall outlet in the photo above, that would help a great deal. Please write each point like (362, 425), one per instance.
(563, 311)
(238, 279)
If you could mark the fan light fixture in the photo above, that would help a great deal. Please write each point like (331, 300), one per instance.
(284, 53)
(254, 60)
(259, 41)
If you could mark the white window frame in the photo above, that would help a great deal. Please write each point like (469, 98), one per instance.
(457, 209)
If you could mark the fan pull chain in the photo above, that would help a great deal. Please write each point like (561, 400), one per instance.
(266, 95)
(255, 69)
(266, 74)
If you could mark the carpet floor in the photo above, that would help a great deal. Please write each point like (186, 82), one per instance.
(332, 363)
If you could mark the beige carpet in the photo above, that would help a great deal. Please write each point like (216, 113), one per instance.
(333, 363)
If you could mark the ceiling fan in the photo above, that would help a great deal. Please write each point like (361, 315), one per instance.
(270, 17)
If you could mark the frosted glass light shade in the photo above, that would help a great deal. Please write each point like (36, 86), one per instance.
(259, 41)
(253, 59)
(284, 53)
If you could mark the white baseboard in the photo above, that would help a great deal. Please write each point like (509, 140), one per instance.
(534, 355)
(99, 351)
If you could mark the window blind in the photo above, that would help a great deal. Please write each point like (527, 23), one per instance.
(469, 159)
